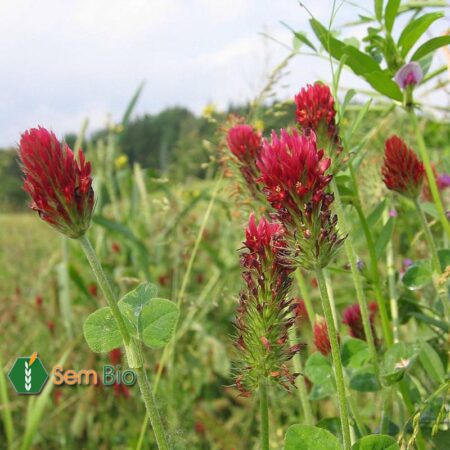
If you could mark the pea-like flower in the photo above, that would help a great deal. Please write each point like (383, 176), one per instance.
(402, 171)
(410, 74)
(265, 312)
(60, 186)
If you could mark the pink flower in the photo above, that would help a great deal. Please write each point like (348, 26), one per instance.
(409, 75)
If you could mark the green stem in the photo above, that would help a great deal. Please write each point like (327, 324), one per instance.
(357, 279)
(429, 171)
(434, 257)
(300, 382)
(264, 413)
(335, 353)
(392, 291)
(385, 323)
(304, 292)
(134, 356)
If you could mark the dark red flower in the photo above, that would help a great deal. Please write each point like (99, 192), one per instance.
(59, 185)
(120, 390)
(93, 290)
(402, 171)
(51, 326)
(39, 300)
(352, 318)
(321, 338)
(115, 356)
(115, 247)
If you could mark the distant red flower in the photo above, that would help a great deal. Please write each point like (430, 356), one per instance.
(300, 311)
(115, 247)
(120, 390)
(352, 318)
(402, 171)
(51, 326)
(57, 394)
(59, 185)
(39, 300)
(321, 338)
(200, 427)
(115, 356)
(93, 290)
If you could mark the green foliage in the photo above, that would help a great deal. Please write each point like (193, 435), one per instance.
(306, 437)
(376, 442)
(101, 331)
(418, 275)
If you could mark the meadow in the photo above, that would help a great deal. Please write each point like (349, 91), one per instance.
(321, 325)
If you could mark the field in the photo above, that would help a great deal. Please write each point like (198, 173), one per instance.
(266, 289)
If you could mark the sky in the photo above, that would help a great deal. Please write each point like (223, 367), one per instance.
(67, 60)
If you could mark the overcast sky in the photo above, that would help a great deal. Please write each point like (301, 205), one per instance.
(64, 60)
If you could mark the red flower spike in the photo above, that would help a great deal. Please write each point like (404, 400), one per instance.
(402, 171)
(60, 186)
(321, 338)
(353, 319)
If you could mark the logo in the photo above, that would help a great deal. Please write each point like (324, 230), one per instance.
(28, 375)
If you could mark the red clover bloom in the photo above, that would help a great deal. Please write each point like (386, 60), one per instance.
(402, 171)
(59, 185)
(294, 176)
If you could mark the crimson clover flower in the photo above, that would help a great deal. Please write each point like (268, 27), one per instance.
(244, 143)
(294, 176)
(352, 317)
(265, 312)
(60, 186)
(321, 337)
(316, 112)
(402, 171)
